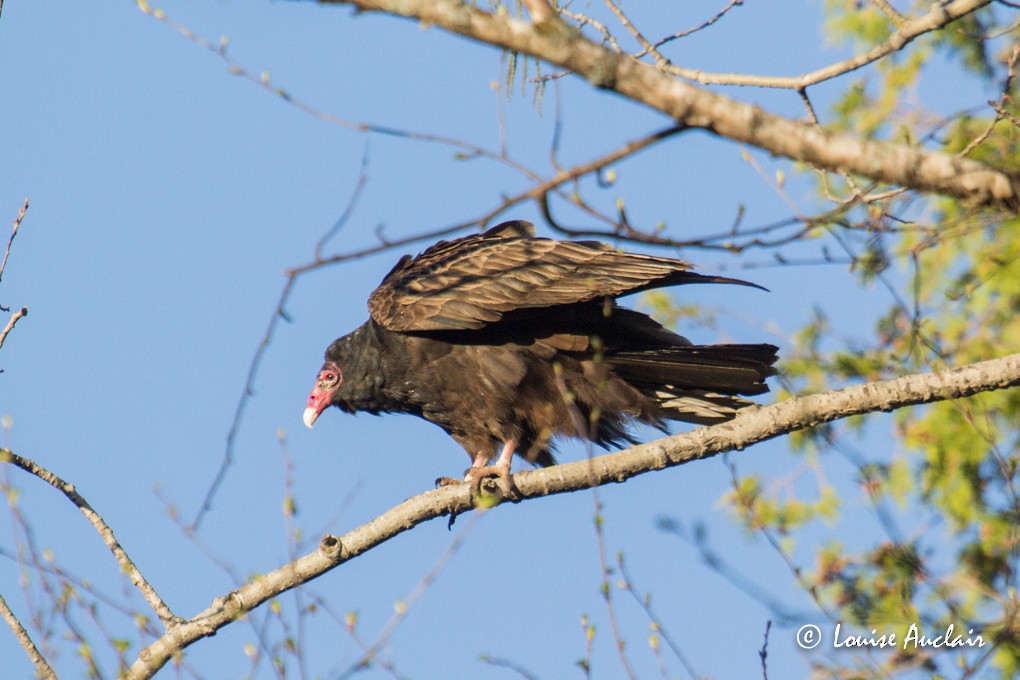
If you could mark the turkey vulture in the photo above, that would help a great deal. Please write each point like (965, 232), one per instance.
(506, 340)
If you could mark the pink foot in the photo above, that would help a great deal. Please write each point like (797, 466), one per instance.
(480, 471)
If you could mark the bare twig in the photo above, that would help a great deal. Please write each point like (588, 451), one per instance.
(1011, 72)
(587, 428)
(249, 390)
(697, 538)
(3, 265)
(606, 589)
(10, 324)
(280, 312)
(14, 232)
(645, 603)
(42, 668)
(890, 12)
(980, 139)
(1005, 114)
(264, 81)
(716, 17)
(540, 10)
(940, 15)
(585, 20)
(289, 508)
(537, 193)
(498, 662)
(763, 654)
(404, 607)
(126, 564)
(634, 32)
(750, 426)
(117, 603)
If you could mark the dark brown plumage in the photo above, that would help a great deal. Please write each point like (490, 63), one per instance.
(505, 340)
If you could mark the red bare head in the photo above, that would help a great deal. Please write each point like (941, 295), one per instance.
(326, 384)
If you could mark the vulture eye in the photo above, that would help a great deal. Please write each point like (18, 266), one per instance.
(329, 379)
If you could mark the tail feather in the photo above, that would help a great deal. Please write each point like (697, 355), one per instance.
(698, 406)
(698, 384)
(728, 369)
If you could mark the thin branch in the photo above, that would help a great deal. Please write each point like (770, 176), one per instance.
(264, 81)
(645, 602)
(718, 15)
(889, 11)
(763, 654)
(697, 539)
(117, 603)
(540, 10)
(242, 403)
(1005, 114)
(14, 232)
(404, 608)
(280, 312)
(10, 324)
(634, 32)
(498, 662)
(750, 426)
(1007, 85)
(148, 592)
(887, 162)
(582, 21)
(289, 509)
(907, 31)
(42, 668)
(537, 193)
(606, 589)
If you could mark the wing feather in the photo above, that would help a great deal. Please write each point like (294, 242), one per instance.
(471, 282)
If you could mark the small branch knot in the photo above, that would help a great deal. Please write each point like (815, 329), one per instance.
(603, 71)
(330, 546)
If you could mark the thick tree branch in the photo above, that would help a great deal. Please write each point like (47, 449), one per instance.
(555, 42)
(750, 426)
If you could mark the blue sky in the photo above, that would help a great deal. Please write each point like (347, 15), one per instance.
(167, 198)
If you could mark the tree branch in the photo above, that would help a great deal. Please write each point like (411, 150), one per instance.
(14, 232)
(10, 324)
(751, 425)
(700, 27)
(148, 592)
(539, 192)
(939, 17)
(561, 45)
(42, 668)
(540, 10)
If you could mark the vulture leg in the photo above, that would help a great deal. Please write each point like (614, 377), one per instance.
(501, 470)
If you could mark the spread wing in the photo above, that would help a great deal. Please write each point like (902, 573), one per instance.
(471, 282)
